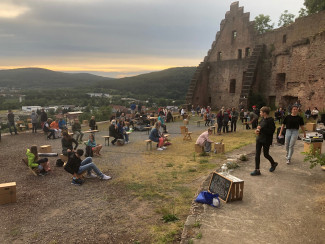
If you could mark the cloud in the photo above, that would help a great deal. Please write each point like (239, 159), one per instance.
(10, 10)
(86, 33)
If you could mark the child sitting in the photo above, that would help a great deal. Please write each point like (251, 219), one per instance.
(42, 164)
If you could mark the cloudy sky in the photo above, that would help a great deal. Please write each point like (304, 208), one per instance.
(116, 38)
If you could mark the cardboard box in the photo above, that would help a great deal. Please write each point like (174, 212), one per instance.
(219, 148)
(8, 193)
(310, 126)
(316, 145)
(45, 149)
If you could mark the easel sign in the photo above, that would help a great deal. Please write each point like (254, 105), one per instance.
(221, 185)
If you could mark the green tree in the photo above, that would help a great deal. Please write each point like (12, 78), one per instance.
(286, 19)
(314, 6)
(262, 23)
(303, 12)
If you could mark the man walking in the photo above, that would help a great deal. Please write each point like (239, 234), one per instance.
(264, 139)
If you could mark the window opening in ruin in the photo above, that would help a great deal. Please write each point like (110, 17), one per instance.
(272, 102)
(234, 36)
(239, 53)
(232, 88)
(284, 39)
(280, 80)
(210, 100)
(247, 51)
(219, 55)
(197, 98)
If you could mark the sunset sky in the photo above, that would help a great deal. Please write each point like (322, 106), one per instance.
(116, 38)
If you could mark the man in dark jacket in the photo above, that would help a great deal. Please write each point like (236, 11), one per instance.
(43, 117)
(66, 142)
(11, 122)
(113, 131)
(264, 139)
(76, 167)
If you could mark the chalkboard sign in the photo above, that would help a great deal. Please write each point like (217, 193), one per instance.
(221, 185)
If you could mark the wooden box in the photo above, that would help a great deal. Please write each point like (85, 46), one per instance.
(30, 126)
(45, 149)
(316, 145)
(8, 193)
(219, 148)
(85, 122)
(311, 126)
(198, 148)
(229, 187)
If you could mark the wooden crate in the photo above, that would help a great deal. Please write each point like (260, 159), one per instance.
(45, 149)
(198, 148)
(310, 126)
(219, 148)
(30, 126)
(8, 193)
(237, 189)
(316, 145)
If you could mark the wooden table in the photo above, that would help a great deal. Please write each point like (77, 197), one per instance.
(198, 123)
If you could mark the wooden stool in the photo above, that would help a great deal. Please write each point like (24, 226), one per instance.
(149, 142)
(198, 123)
(187, 136)
(106, 139)
(214, 129)
(198, 148)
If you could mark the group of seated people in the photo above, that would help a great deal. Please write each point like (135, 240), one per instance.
(118, 130)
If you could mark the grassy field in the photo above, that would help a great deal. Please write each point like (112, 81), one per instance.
(169, 181)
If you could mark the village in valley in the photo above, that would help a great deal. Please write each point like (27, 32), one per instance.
(228, 151)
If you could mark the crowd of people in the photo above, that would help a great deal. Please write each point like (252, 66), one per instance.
(121, 124)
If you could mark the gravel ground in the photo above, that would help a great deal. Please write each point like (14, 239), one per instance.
(51, 210)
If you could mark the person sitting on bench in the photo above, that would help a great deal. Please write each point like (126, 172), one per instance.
(162, 123)
(66, 142)
(92, 123)
(34, 162)
(155, 137)
(113, 131)
(46, 129)
(94, 146)
(76, 167)
(204, 141)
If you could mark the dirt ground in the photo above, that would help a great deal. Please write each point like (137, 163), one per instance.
(51, 210)
(286, 206)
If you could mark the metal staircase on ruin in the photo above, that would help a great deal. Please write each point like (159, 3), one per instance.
(193, 83)
(250, 73)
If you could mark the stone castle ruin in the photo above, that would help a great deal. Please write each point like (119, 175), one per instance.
(281, 66)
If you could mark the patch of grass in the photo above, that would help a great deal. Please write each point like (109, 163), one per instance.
(15, 232)
(197, 224)
(169, 218)
(198, 236)
(203, 161)
(243, 157)
(192, 170)
(135, 186)
(169, 165)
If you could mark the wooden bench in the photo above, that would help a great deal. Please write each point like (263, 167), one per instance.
(149, 142)
(198, 123)
(34, 171)
(106, 139)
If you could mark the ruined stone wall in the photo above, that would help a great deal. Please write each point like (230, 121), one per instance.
(292, 65)
(297, 54)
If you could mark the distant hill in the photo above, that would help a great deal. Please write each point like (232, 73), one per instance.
(170, 83)
(43, 78)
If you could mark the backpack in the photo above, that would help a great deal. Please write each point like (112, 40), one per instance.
(89, 151)
(59, 163)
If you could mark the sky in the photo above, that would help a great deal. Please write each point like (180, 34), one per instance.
(117, 38)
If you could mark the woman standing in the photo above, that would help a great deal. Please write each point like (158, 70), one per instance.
(292, 123)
